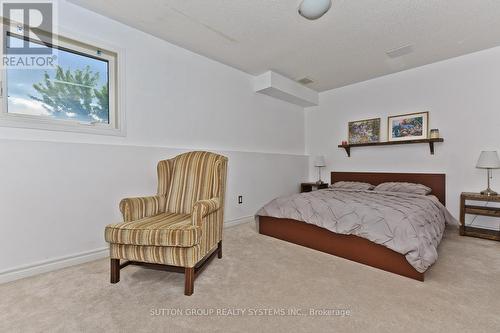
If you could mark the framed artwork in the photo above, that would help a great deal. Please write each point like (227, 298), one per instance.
(412, 126)
(364, 131)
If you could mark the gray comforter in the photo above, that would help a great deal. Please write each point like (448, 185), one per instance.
(410, 224)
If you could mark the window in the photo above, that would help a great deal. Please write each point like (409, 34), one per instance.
(76, 92)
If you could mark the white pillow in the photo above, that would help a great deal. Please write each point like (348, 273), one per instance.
(404, 187)
(352, 186)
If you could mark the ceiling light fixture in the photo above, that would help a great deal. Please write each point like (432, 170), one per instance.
(314, 9)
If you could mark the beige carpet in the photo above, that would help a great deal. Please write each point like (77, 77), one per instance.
(266, 277)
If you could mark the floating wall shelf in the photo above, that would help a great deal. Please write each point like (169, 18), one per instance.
(388, 143)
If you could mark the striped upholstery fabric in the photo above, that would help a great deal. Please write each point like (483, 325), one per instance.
(202, 208)
(167, 229)
(165, 255)
(183, 222)
(164, 170)
(193, 179)
(138, 208)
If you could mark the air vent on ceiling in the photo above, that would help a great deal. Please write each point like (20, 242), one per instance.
(305, 81)
(400, 51)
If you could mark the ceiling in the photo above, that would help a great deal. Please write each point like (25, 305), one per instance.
(345, 46)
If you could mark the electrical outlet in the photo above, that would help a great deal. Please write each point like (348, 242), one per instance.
(240, 199)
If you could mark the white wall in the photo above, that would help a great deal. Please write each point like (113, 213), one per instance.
(463, 97)
(58, 190)
(57, 197)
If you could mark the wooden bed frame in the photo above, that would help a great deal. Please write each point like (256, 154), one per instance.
(349, 246)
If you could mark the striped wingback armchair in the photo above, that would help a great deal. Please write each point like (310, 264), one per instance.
(180, 228)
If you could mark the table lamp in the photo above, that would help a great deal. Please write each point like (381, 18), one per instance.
(319, 162)
(488, 160)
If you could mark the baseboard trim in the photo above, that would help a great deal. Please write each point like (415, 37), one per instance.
(238, 221)
(52, 265)
(79, 258)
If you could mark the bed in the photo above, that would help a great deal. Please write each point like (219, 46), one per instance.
(349, 246)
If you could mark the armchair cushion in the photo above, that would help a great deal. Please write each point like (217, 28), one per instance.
(166, 229)
(165, 255)
(138, 208)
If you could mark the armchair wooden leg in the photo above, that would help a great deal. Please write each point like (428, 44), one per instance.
(115, 270)
(219, 250)
(188, 281)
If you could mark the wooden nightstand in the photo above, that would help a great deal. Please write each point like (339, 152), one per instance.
(308, 187)
(478, 210)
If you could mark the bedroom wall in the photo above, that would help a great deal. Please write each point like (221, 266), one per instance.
(462, 96)
(59, 189)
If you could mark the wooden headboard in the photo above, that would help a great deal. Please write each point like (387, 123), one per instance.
(436, 181)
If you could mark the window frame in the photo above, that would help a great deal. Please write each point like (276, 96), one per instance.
(71, 41)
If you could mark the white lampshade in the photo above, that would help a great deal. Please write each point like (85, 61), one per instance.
(488, 160)
(314, 9)
(319, 161)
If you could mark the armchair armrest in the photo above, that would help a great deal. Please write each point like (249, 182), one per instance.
(138, 208)
(203, 208)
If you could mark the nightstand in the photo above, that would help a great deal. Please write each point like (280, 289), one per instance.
(308, 187)
(478, 210)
